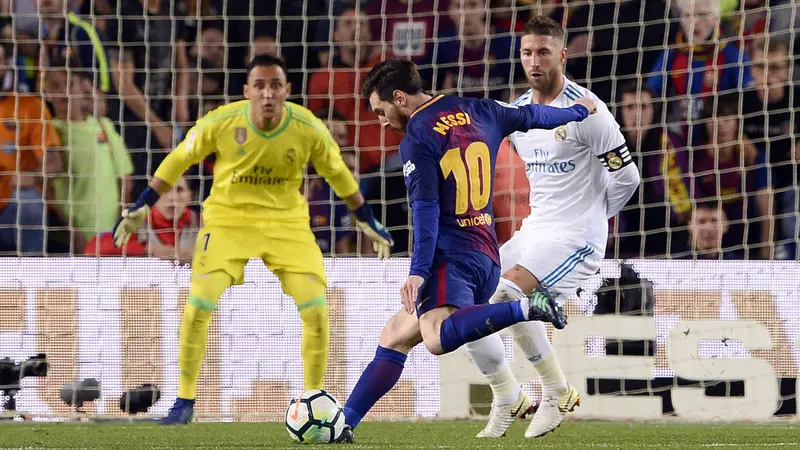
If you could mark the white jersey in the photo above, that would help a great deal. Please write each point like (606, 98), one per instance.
(568, 170)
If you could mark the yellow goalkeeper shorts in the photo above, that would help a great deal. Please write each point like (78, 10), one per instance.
(283, 246)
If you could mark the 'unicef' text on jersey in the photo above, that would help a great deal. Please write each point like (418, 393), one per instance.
(568, 169)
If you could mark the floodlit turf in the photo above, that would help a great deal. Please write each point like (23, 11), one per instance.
(401, 435)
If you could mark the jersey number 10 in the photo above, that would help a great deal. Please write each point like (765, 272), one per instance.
(473, 181)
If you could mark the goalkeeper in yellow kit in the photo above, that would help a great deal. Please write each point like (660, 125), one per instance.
(256, 210)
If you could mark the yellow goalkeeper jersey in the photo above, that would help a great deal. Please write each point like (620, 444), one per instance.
(257, 174)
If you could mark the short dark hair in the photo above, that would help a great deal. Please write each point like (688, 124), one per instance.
(391, 75)
(726, 105)
(770, 46)
(265, 60)
(330, 114)
(632, 87)
(543, 26)
(72, 66)
(712, 204)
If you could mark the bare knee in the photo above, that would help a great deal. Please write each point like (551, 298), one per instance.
(401, 333)
(431, 325)
(523, 278)
(433, 345)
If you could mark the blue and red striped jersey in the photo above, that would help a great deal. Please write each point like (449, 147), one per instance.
(449, 153)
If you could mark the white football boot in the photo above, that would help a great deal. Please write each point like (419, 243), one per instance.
(502, 416)
(551, 412)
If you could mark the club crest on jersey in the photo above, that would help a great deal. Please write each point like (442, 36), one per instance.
(561, 134)
(291, 155)
(240, 134)
(614, 161)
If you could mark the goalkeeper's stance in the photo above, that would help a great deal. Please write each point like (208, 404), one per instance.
(256, 210)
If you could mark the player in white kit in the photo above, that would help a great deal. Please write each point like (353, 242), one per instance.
(580, 176)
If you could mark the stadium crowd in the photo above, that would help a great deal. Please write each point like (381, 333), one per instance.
(96, 93)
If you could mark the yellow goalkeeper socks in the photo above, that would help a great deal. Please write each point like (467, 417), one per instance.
(193, 339)
(194, 329)
(314, 349)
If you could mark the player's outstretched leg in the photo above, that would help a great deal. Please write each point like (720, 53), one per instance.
(509, 402)
(308, 292)
(447, 328)
(203, 297)
(399, 336)
(558, 396)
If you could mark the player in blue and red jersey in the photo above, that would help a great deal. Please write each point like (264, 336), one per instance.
(449, 152)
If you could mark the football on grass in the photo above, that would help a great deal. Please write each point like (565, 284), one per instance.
(314, 418)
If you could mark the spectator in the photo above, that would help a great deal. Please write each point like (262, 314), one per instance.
(171, 231)
(385, 190)
(142, 72)
(95, 161)
(66, 35)
(264, 44)
(471, 67)
(211, 47)
(27, 137)
(768, 122)
(407, 29)
(707, 229)
(339, 87)
(699, 68)
(330, 218)
(761, 18)
(511, 201)
(647, 222)
(726, 169)
(614, 38)
(351, 37)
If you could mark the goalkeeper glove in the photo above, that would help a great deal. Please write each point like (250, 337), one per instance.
(134, 217)
(377, 233)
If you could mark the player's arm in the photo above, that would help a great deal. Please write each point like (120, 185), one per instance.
(327, 159)
(601, 134)
(199, 143)
(421, 171)
(513, 118)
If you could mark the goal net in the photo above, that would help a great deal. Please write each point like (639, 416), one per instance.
(97, 93)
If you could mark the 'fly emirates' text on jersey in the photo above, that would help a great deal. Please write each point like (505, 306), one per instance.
(258, 174)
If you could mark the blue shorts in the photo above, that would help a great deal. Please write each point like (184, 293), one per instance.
(459, 280)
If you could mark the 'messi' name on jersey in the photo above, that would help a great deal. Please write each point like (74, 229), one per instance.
(451, 121)
(258, 176)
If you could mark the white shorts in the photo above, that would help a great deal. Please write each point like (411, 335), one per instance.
(562, 264)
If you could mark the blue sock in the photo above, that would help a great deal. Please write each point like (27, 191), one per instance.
(378, 378)
(475, 322)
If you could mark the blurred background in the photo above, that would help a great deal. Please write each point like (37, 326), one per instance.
(96, 92)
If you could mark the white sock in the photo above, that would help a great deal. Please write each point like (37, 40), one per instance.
(489, 355)
(504, 385)
(532, 339)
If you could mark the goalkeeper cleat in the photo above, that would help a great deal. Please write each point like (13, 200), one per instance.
(543, 307)
(551, 413)
(502, 416)
(346, 437)
(181, 413)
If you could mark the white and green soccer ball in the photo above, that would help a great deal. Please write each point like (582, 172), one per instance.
(314, 418)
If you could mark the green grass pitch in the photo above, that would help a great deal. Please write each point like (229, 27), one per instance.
(400, 435)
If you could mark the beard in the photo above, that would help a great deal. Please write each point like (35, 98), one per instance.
(546, 81)
(403, 119)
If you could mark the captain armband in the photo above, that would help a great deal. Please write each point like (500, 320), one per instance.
(616, 159)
